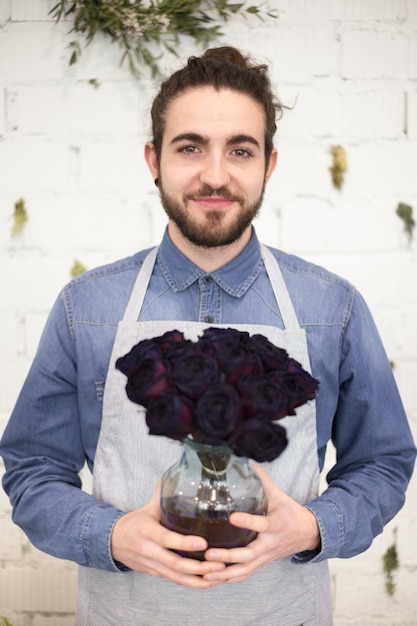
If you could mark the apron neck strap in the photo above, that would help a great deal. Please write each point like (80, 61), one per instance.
(280, 289)
(137, 296)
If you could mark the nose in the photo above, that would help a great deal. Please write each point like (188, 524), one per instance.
(215, 171)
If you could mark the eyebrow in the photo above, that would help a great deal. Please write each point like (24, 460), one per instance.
(203, 140)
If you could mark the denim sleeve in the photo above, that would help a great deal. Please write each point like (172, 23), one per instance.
(374, 446)
(43, 452)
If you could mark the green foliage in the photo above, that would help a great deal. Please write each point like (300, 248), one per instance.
(4, 621)
(390, 564)
(135, 24)
(405, 212)
(20, 217)
(77, 268)
(339, 166)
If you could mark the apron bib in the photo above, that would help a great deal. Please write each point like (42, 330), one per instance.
(129, 462)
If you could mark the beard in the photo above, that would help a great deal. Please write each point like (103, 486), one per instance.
(213, 232)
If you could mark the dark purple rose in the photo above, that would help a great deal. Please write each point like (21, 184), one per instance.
(215, 338)
(219, 414)
(300, 384)
(170, 415)
(169, 340)
(146, 349)
(194, 372)
(261, 440)
(146, 381)
(272, 357)
(232, 351)
(263, 396)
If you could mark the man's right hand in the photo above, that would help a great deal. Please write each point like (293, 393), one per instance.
(142, 544)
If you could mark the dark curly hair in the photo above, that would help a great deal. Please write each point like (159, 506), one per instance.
(224, 67)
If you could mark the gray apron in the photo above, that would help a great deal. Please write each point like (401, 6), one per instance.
(129, 462)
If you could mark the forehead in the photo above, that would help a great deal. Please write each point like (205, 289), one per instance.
(215, 114)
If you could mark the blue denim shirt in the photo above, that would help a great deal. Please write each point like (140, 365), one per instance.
(55, 425)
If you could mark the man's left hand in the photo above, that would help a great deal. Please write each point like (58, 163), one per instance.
(286, 529)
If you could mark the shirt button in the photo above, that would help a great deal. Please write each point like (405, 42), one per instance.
(207, 279)
(208, 319)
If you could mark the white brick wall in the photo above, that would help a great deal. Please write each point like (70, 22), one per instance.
(74, 153)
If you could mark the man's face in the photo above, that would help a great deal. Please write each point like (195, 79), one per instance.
(212, 170)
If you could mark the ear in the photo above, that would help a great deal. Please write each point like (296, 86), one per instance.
(150, 158)
(273, 159)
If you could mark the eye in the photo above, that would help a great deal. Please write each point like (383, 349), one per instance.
(189, 149)
(242, 153)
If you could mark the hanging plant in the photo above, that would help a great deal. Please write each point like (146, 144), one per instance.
(136, 24)
(339, 166)
(405, 212)
(20, 217)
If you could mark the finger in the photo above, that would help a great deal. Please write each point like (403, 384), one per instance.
(188, 578)
(232, 574)
(267, 481)
(256, 523)
(231, 555)
(182, 543)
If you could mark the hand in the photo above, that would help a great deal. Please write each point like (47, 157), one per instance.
(141, 543)
(287, 528)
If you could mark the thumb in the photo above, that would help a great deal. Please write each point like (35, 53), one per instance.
(272, 491)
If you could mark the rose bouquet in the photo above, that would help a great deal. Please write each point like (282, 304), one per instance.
(227, 388)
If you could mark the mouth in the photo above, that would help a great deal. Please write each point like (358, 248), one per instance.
(214, 203)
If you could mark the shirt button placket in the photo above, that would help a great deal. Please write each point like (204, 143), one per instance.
(205, 286)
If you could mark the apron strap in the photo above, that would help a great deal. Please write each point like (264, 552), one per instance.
(137, 296)
(280, 289)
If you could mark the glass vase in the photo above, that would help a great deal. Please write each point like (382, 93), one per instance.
(199, 493)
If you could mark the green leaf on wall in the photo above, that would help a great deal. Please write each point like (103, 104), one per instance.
(20, 217)
(77, 269)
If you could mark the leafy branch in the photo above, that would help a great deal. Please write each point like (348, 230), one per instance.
(137, 24)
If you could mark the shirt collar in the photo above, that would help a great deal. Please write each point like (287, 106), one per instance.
(235, 277)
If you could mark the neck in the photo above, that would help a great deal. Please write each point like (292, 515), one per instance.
(208, 259)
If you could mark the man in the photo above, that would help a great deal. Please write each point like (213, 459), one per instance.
(211, 156)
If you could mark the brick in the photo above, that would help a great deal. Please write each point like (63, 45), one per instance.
(388, 55)
(10, 544)
(354, 10)
(31, 164)
(41, 109)
(384, 169)
(296, 54)
(29, 11)
(30, 51)
(49, 590)
(53, 620)
(412, 115)
(113, 108)
(349, 115)
(4, 12)
(2, 112)
(110, 166)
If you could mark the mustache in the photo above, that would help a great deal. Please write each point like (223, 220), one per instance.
(207, 191)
